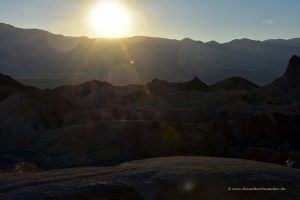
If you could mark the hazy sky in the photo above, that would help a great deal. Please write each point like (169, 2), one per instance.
(220, 20)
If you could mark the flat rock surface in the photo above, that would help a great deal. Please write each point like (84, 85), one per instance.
(158, 178)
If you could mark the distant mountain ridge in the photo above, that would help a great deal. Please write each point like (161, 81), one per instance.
(68, 60)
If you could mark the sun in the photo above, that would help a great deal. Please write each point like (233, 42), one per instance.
(110, 19)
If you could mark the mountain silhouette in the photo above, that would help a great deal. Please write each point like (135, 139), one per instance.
(9, 82)
(9, 86)
(290, 80)
(46, 60)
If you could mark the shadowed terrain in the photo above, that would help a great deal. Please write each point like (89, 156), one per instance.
(97, 123)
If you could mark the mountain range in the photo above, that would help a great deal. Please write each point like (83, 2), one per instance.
(43, 59)
(124, 119)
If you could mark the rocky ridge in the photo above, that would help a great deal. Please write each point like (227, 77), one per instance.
(96, 122)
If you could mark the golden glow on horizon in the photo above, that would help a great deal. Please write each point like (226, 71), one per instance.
(110, 19)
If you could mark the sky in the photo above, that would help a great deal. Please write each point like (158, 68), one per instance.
(205, 20)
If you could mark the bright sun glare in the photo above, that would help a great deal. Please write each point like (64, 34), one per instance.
(110, 19)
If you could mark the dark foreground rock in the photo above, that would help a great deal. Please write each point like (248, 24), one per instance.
(188, 178)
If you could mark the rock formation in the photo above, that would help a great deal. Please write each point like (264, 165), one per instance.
(175, 178)
(234, 83)
(96, 122)
(290, 80)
